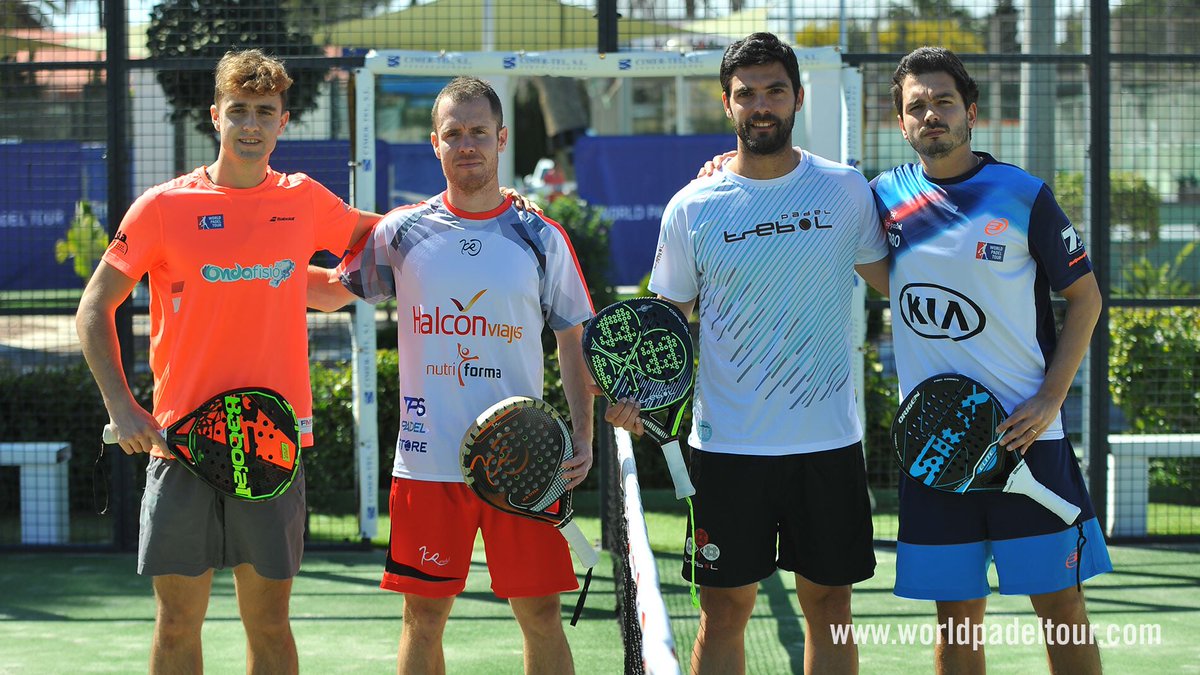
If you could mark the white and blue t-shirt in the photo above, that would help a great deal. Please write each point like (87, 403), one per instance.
(973, 261)
(772, 263)
(473, 291)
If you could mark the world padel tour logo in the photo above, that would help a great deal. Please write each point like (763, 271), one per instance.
(274, 274)
(463, 322)
(213, 222)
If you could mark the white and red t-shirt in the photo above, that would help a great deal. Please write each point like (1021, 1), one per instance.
(473, 291)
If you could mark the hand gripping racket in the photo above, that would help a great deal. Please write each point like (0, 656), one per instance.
(512, 458)
(945, 437)
(244, 443)
(642, 349)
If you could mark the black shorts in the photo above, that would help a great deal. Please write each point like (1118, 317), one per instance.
(808, 513)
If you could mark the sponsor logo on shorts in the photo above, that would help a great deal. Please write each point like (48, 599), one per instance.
(435, 557)
(709, 552)
(1072, 560)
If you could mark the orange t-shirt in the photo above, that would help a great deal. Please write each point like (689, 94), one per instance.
(228, 284)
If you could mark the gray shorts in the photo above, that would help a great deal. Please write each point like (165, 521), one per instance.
(187, 527)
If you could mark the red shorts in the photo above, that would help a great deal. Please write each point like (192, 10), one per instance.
(433, 534)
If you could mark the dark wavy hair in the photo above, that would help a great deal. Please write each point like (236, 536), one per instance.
(925, 60)
(759, 49)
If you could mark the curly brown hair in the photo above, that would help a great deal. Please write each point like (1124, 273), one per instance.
(251, 72)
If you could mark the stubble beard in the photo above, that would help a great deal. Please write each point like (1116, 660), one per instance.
(939, 148)
(771, 144)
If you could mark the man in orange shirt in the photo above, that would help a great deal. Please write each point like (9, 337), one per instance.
(225, 247)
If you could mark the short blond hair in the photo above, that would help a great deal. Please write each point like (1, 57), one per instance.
(251, 71)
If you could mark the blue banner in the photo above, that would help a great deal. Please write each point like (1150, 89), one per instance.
(633, 178)
(41, 182)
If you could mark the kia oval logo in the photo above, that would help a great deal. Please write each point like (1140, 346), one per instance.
(938, 313)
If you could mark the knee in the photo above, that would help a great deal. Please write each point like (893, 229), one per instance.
(539, 616)
(1065, 606)
(825, 603)
(178, 624)
(425, 617)
(268, 622)
(722, 613)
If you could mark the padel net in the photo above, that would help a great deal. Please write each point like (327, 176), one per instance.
(645, 626)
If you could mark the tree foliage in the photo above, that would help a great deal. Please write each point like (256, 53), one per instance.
(1133, 203)
(207, 29)
(85, 242)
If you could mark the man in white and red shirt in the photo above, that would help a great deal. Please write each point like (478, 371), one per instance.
(475, 280)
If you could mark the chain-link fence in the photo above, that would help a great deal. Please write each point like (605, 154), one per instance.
(1102, 101)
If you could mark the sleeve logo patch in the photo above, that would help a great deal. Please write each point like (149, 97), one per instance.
(989, 252)
(119, 244)
(1071, 239)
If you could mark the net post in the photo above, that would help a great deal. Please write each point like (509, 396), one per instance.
(362, 334)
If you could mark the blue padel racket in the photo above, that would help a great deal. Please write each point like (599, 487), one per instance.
(944, 435)
(244, 443)
(642, 349)
(512, 457)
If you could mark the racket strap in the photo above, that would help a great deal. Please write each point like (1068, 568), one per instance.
(100, 484)
(695, 550)
(1079, 544)
(587, 581)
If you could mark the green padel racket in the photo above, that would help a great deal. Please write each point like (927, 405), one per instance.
(244, 443)
(642, 349)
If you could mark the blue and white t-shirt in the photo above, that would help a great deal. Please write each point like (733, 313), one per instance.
(473, 291)
(772, 263)
(973, 261)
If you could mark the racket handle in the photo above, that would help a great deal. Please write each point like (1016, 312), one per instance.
(679, 473)
(1021, 481)
(579, 543)
(110, 435)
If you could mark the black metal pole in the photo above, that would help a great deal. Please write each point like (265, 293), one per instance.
(117, 90)
(1098, 240)
(606, 30)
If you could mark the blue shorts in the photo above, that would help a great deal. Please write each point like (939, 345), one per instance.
(947, 541)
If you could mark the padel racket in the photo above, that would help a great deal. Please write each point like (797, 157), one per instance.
(945, 438)
(642, 349)
(512, 458)
(244, 443)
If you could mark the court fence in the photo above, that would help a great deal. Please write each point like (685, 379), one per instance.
(1100, 100)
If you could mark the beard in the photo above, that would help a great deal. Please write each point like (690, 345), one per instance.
(937, 148)
(472, 182)
(756, 143)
